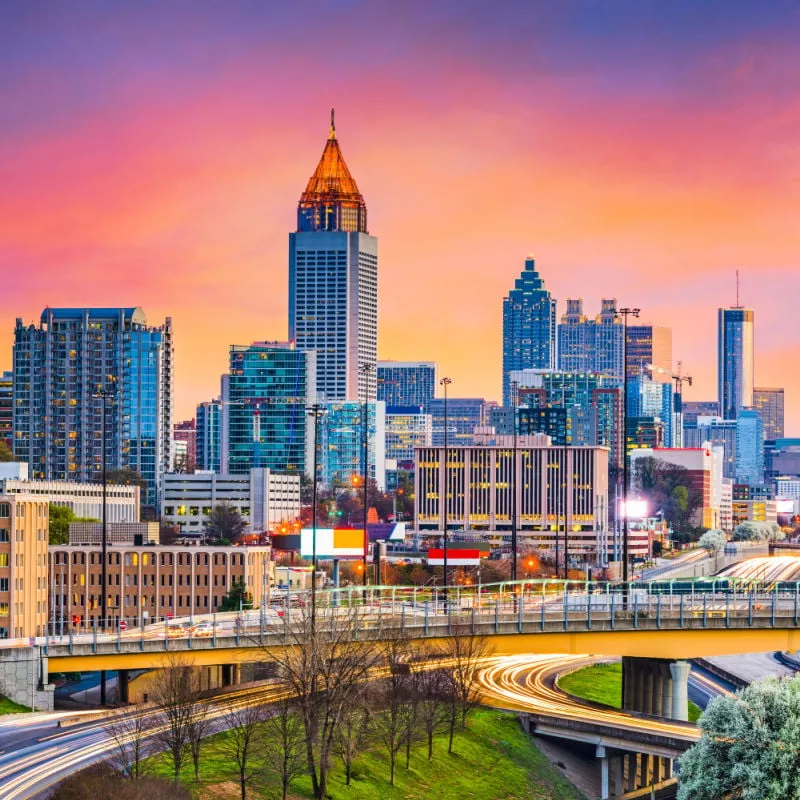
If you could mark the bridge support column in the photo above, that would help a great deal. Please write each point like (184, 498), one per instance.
(618, 766)
(123, 678)
(648, 679)
(666, 691)
(680, 689)
(630, 771)
(604, 781)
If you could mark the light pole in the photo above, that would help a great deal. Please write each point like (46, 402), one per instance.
(514, 390)
(445, 382)
(104, 395)
(365, 370)
(625, 313)
(316, 411)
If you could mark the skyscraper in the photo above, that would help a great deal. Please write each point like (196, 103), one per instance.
(591, 345)
(185, 437)
(529, 327)
(649, 399)
(406, 383)
(209, 436)
(333, 280)
(7, 407)
(749, 448)
(264, 400)
(650, 351)
(769, 404)
(735, 366)
(59, 368)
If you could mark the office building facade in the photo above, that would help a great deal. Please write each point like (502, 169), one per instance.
(406, 383)
(263, 408)
(263, 498)
(717, 432)
(209, 436)
(333, 281)
(735, 360)
(7, 409)
(591, 345)
(407, 427)
(650, 352)
(59, 369)
(749, 448)
(769, 404)
(529, 327)
(650, 399)
(341, 444)
(558, 490)
(464, 414)
(185, 435)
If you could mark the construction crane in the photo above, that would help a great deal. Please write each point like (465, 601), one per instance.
(680, 379)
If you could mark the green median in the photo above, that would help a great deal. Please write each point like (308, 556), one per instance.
(10, 707)
(493, 759)
(602, 683)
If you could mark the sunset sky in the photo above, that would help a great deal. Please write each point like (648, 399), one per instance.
(153, 152)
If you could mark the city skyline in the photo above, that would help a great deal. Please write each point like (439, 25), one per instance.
(146, 188)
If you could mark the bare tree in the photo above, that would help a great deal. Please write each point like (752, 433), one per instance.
(174, 695)
(198, 725)
(432, 690)
(131, 733)
(323, 665)
(391, 697)
(466, 652)
(284, 741)
(353, 732)
(241, 744)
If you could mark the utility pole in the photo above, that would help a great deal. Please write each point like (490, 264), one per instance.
(104, 395)
(316, 411)
(445, 382)
(514, 546)
(625, 313)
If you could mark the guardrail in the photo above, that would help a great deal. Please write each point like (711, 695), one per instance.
(524, 607)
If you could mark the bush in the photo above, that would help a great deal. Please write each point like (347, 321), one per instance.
(103, 782)
(713, 541)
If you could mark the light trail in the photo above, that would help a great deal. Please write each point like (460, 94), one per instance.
(521, 683)
(765, 568)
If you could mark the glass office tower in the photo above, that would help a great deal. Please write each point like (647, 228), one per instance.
(209, 435)
(406, 383)
(264, 401)
(529, 327)
(59, 368)
(333, 281)
(735, 365)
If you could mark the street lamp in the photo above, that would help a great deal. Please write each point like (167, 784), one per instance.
(514, 392)
(445, 382)
(316, 411)
(104, 395)
(366, 369)
(625, 313)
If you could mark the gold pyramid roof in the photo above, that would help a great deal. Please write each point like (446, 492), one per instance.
(332, 181)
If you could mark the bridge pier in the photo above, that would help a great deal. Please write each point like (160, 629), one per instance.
(123, 683)
(656, 687)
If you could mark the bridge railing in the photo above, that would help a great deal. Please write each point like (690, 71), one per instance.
(505, 608)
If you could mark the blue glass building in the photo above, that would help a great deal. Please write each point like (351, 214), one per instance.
(209, 435)
(591, 345)
(341, 449)
(650, 399)
(464, 414)
(59, 368)
(264, 400)
(406, 383)
(529, 327)
(749, 448)
(735, 360)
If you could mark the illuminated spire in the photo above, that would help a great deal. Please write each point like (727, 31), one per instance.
(331, 201)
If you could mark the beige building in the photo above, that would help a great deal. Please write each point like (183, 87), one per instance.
(151, 582)
(23, 566)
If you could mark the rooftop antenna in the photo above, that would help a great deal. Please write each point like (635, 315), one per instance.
(332, 134)
(737, 290)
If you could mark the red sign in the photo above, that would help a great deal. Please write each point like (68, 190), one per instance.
(455, 558)
(123, 626)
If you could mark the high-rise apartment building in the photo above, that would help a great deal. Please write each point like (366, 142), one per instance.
(735, 360)
(7, 408)
(264, 400)
(749, 448)
(59, 369)
(406, 383)
(333, 281)
(649, 399)
(529, 327)
(769, 404)
(591, 345)
(185, 433)
(650, 352)
(209, 435)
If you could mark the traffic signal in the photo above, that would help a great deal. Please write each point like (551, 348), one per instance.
(76, 620)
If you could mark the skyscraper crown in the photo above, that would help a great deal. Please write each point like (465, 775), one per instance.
(331, 201)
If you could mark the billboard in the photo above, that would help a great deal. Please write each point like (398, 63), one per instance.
(333, 542)
(455, 558)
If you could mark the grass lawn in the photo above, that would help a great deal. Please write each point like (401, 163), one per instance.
(493, 760)
(602, 683)
(10, 707)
